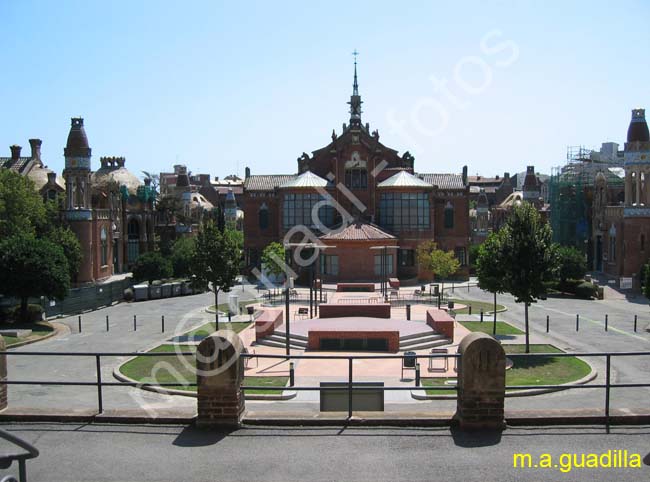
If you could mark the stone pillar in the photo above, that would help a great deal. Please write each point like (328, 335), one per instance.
(481, 383)
(3, 375)
(628, 188)
(220, 373)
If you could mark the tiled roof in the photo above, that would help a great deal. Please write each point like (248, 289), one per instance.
(359, 231)
(306, 179)
(444, 181)
(266, 182)
(404, 179)
(17, 165)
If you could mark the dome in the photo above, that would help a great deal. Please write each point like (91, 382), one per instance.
(120, 175)
(39, 176)
(77, 144)
(638, 129)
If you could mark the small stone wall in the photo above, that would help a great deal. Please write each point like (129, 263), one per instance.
(355, 287)
(441, 322)
(314, 337)
(267, 322)
(373, 310)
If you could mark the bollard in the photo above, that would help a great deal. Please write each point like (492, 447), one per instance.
(468, 286)
(606, 321)
(408, 311)
(79, 323)
(481, 315)
(578, 322)
(438, 300)
(229, 316)
(163, 323)
(292, 376)
(634, 323)
(417, 374)
(107, 323)
(134, 324)
(452, 286)
(470, 309)
(547, 323)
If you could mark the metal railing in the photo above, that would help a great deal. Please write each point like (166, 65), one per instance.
(6, 460)
(100, 384)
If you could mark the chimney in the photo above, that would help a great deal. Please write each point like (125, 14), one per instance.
(464, 174)
(15, 151)
(104, 162)
(35, 144)
(51, 177)
(248, 172)
(120, 161)
(506, 175)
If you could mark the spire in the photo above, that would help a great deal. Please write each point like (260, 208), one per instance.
(355, 99)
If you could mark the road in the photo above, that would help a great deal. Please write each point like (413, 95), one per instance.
(94, 453)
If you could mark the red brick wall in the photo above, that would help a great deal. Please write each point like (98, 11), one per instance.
(267, 322)
(375, 310)
(355, 287)
(440, 321)
(314, 337)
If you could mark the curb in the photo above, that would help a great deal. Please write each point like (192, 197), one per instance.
(58, 329)
(515, 393)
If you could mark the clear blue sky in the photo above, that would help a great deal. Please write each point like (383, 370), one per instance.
(219, 86)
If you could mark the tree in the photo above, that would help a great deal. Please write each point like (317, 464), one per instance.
(439, 262)
(273, 259)
(66, 239)
(489, 268)
(523, 257)
(152, 266)
(182, 253)
(572, 264)
(216, 260)
(22, 210)
(32, 267)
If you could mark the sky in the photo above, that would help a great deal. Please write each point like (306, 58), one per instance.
(219, 86)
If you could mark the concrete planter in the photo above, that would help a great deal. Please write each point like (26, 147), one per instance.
(141, 292)
(166, 290)
(155, 292)
(176, 289)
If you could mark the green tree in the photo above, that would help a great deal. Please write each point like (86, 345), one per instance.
(489, 268)
(572, 264)
(273, 259)
(182, 253)
(152, 266)
(439, 262)
(216, 260)
(22, 210)
(32, 267)
(523, 257)
(66, 239)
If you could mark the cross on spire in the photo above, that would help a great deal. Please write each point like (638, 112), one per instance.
(355, 99)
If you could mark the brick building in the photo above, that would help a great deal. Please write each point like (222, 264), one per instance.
(355, 194)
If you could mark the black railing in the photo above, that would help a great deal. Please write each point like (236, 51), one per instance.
(99, 383)
(6, 460)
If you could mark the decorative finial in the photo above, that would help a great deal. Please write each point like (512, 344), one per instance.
(355, 100)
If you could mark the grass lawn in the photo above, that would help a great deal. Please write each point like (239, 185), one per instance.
(223, 307)
(503, 328)
(173, 368)
(208, 328)
(534, 370)
(476, 306)
(39, 330)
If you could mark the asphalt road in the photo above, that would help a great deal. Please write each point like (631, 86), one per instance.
(94, 453)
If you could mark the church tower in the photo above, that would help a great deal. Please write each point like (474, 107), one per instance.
(78, 211)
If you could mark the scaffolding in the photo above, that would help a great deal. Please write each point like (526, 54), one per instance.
(571, 188)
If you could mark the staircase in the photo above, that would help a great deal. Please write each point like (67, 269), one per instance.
(422, 341)
(277, 339)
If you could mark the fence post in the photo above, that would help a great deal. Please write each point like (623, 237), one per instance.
(350, 387)
(417, 374)
(292, 375)
(607, 389)
(163, 323)
(100, 399)
(79, 319)
(547, 323)
(577, 322)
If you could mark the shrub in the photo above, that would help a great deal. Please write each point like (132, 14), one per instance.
(34, 313)
(181, 256)
(572, 263)
(151, 266)
(569, 285)
(586, 290)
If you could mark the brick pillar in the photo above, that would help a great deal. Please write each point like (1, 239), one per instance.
(481, 383)
(220, 373)
(3, 374)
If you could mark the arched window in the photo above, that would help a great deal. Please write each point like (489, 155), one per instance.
(103, 238)
(449, 215)
(263, 216)
(356, 173)
(133, 230)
